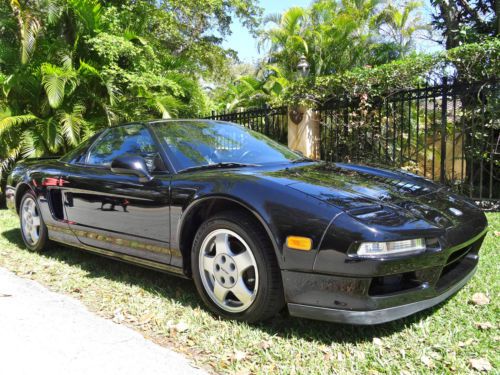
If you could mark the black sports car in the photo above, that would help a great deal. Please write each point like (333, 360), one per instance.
(256, 225)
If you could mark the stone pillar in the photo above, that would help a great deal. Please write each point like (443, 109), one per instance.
(303, 131)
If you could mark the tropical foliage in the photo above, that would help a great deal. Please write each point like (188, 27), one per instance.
(333, 37)
(476, 62)
(70, 67)
(465, 21)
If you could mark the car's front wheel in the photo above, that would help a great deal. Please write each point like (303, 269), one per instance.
(235, 270)
(33, 229)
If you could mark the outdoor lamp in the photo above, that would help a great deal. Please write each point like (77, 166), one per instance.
(303, 66)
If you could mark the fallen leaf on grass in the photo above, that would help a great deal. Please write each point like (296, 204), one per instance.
(324, 349)
(427, 361)
(238, 355)
(480, 364)
(213, 340)
(179, 327)
(145, 319)
(360, 355)
(469, 342)
(436, 356)
(497, 233)
(483, 325)
(118, 316)
(266, 344)
(480, 299)
(377, 341)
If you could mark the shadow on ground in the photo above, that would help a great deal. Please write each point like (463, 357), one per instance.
(183, 291)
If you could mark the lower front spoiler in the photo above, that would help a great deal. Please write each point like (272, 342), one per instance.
(374, 316)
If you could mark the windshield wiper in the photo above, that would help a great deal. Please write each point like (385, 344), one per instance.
(217, 166)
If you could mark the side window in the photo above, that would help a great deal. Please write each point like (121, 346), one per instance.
(126, 140)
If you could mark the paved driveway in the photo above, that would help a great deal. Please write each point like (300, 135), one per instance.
(42, 332)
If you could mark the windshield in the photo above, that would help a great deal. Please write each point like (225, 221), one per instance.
(198, 143)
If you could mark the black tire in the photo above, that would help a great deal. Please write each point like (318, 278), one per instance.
(43, 236)
(269, 297)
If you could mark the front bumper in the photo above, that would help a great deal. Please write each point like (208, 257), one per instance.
(388, 294)
(375, 316)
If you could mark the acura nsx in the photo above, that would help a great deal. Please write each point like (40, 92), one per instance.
(258, 227)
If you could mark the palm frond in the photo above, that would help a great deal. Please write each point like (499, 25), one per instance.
(167, 106)
(89, 13)
(11, 121)
(28, 27)
(87, 69)
(54, 80)
(29, 34)
(51, 135)
(72, 123)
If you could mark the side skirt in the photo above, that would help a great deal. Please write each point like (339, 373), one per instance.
(177, 271)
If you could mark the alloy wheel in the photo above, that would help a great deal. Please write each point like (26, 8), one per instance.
(228, 270)
(30, 221)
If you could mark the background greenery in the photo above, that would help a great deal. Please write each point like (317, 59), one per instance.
(71, 67)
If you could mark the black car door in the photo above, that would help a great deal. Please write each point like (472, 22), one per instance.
(119, 212)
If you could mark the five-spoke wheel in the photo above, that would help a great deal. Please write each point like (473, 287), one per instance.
(228, 270)
(33, 229)
(30, 221)
(235, 268)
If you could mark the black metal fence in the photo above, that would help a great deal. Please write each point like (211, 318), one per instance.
(448, 133)
(271, 121)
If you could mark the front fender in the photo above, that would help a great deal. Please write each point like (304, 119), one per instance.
(198, 201)
(282, 211)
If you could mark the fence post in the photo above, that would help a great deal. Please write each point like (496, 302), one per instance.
(346, 115)
(266, 119)
(303, 131)
(444, 110)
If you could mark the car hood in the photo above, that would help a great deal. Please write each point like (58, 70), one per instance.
(370, 193)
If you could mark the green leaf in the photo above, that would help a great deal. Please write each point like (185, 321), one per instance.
(11, 121)
(72, 123)
(54, 80)
(51, 135)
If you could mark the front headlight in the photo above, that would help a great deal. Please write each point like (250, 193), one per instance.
(393, 248)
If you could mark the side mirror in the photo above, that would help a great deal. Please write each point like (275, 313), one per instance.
(131, 165)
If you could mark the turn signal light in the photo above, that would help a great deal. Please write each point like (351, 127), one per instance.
(299, 243)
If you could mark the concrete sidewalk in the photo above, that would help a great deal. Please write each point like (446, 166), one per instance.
(42, 332)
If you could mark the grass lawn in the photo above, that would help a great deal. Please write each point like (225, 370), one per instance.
(166, 309)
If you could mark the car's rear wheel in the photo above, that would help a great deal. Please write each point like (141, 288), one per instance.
(235, 269)
(33, 229)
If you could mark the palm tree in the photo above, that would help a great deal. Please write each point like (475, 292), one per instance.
(57, 87)
(285, 41)
(334, 36)
(400, 25)
(343, 37)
